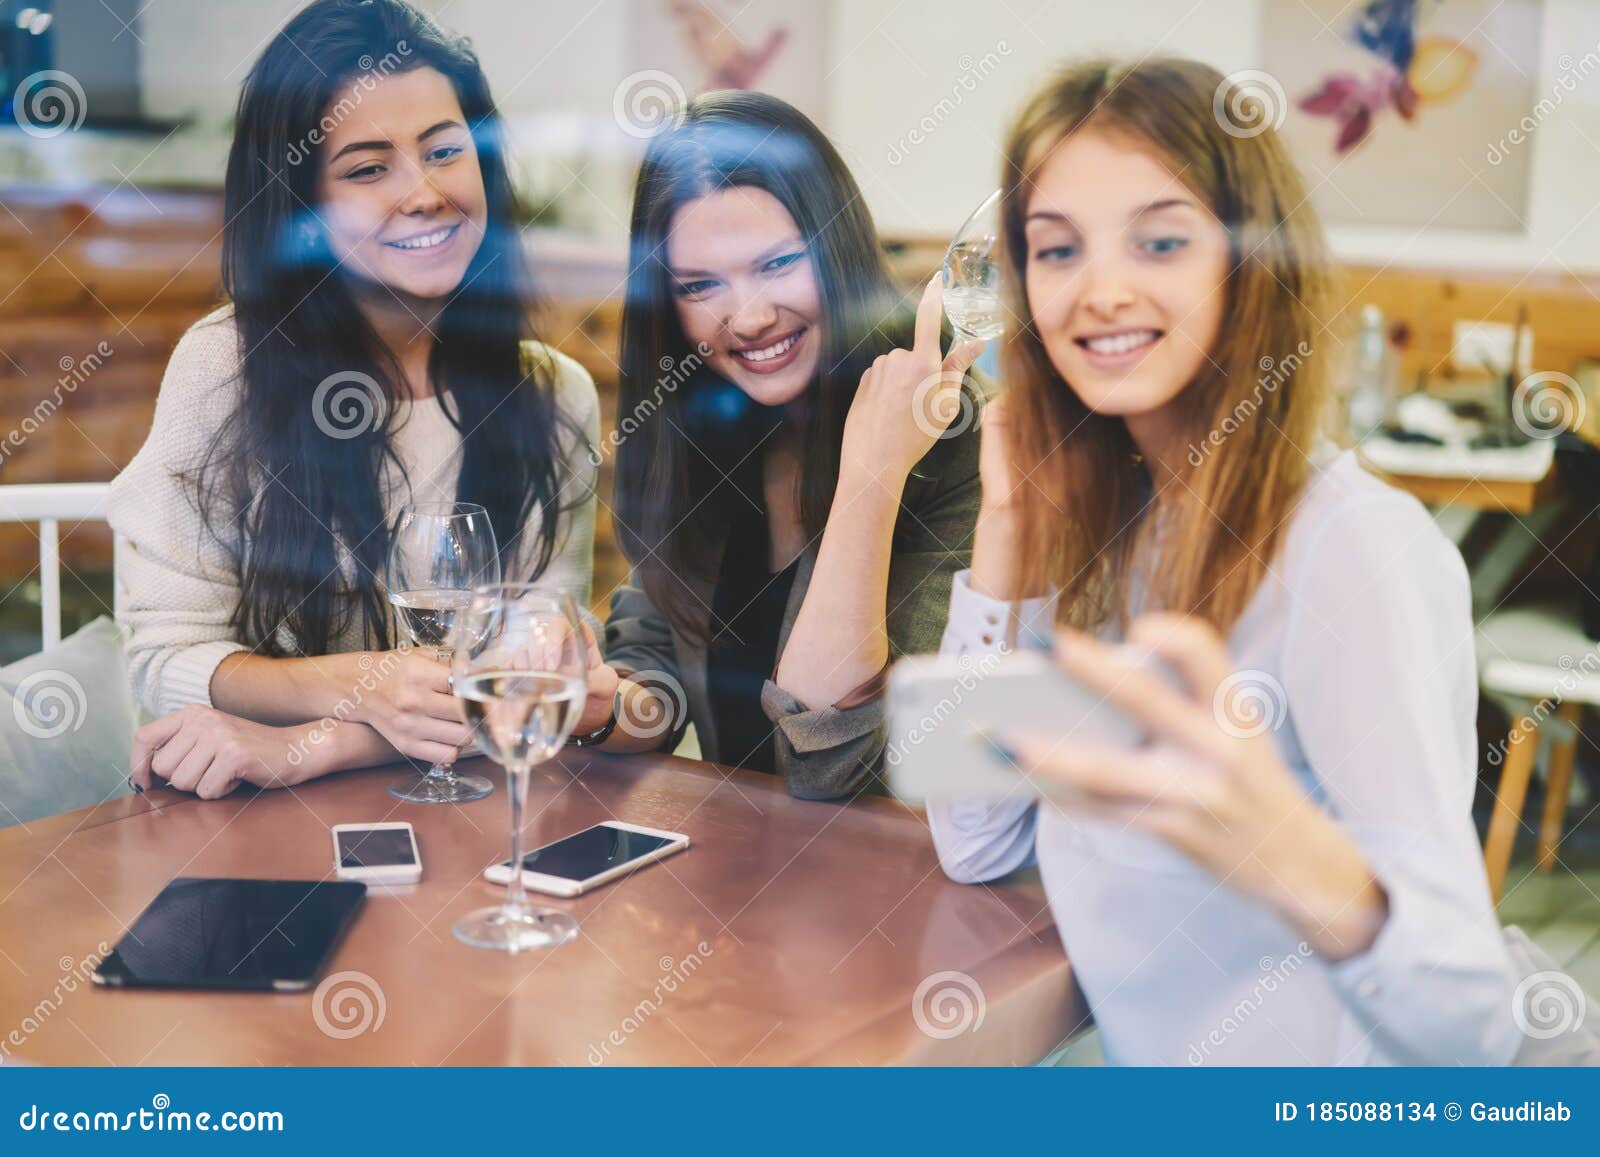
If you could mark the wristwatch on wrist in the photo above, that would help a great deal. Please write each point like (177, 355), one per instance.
(602, 733)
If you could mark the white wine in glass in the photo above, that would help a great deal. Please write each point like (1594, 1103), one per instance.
(520, 670)
(972, 275)
(439, 553)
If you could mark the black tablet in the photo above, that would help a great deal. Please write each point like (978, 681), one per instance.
(262, 935)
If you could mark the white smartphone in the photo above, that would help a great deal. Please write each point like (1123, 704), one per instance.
(584, 860)
(946, 712)
(377, 853)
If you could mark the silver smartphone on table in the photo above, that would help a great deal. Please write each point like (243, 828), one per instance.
(584, 860)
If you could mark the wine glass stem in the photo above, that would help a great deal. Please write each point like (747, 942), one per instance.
(517, 789)
(445, 770)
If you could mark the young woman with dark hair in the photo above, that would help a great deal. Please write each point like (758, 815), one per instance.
(793, 490)
(375, 350)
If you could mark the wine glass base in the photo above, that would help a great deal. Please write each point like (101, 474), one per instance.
(495, 928)
(433, 789)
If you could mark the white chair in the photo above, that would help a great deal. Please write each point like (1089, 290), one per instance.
(49, 505)
(1539, 660)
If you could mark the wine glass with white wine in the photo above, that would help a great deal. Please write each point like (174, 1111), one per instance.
(972, 275)
(440, 552)
(520, 671)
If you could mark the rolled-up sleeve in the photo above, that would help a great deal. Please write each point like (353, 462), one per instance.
(1381, 683)
(838, 749)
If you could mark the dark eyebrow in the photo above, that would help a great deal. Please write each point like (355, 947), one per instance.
(772, 251)
(438, 128)
(383, 146)
(761, 258)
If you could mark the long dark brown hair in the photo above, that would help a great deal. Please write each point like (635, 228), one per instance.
(1084, 509)
(299, 327)
(668, 496)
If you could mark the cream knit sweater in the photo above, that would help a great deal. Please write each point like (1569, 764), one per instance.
(179, 583)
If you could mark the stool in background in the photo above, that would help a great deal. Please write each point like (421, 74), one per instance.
(1540, 657)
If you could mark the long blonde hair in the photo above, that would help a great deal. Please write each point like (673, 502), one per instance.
(1082, 512)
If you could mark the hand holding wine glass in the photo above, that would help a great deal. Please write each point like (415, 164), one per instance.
(972, 275)
(439, 553)
(520, 669)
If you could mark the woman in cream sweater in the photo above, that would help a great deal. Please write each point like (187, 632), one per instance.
(374, 352)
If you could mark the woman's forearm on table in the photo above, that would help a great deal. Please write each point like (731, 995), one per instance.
(285, 691)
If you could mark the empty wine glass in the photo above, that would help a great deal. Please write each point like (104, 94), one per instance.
(972, 275)
(439, 554)
(520, 671)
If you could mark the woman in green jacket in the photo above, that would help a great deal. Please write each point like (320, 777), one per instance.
(793, 490)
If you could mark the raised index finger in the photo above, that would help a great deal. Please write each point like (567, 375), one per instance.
(929, 310)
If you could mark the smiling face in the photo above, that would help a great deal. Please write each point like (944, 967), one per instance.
(1126, 274)
(399, 189)
(744, 285)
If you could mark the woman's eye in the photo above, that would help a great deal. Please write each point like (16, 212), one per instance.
(1056, 253)
(780, 263)
(445, 153)
(365, 172)
(692, 288)
(1165, 246)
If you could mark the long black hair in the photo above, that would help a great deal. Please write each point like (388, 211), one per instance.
(668, 495)
(306, 488)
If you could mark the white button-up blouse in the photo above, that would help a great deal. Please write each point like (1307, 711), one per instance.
(1360, 639)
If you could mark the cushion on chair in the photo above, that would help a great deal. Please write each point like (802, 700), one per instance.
(1539, 651)
(66, 726)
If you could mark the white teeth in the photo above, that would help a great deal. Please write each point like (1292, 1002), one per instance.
(771, 351)
(1120, 343)
(427, 241)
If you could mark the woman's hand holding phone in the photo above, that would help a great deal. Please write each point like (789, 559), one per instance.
(1221, 794)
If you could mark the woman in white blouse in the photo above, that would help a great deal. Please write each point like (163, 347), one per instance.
(1287, 872)
(375, 351)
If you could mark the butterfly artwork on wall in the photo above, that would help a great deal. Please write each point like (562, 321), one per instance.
(1408, 72)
